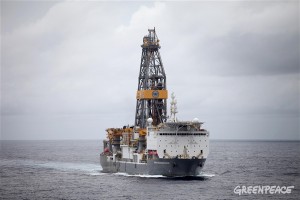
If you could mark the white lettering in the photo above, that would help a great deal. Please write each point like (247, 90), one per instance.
(266, 189)
(272, 189)
(244, 189)
(237, 190)
(255, 189)
(289, 189)
(278, 190)
(283, 190)
(260, 189)
(249, 189)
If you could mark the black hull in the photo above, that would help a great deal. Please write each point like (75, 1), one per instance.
(165, 167)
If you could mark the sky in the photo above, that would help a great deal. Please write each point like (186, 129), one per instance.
(69, 69)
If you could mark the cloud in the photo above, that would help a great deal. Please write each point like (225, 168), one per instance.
(64, 60)
(221, 58)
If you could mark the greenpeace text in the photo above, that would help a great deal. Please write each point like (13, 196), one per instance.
(265, 189)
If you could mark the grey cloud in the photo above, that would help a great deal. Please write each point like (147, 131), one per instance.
(248, 54)
(79, 61)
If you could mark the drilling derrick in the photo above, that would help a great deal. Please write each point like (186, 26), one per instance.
(152, 91)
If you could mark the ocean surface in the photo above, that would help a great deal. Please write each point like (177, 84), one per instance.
(71, 170)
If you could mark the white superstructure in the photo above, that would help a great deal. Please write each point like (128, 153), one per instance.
(180, 139)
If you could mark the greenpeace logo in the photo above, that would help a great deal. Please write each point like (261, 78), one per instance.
(266, 189)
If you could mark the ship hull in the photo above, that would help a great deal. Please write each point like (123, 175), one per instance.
(167, 167)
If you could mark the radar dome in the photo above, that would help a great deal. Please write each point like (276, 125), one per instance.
(150, 120)
(195, 120)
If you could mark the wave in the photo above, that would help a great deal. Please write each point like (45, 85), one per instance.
(139, 175)
(90, 169)
(206, 175)
(200, 176)
(87, 168)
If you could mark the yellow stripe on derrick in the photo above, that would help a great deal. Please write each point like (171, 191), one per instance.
(152, 94)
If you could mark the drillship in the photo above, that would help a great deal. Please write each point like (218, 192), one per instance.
(156, 144)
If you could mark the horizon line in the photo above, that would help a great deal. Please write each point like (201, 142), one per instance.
(216, 140)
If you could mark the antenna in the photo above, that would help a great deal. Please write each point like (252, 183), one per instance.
(173, 108)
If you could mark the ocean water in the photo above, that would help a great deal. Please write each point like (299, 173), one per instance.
(71, 170)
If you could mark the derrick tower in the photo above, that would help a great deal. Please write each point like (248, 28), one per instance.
(152, 91)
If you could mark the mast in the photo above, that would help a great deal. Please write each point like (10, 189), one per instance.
(152, 91)
(173, 108)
